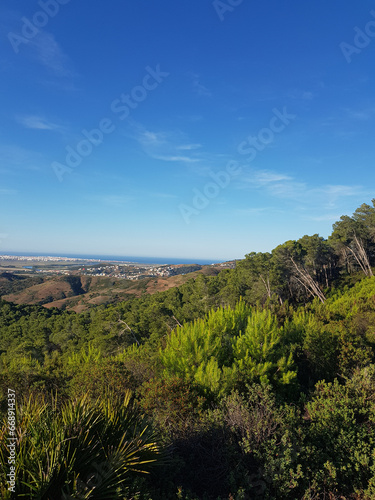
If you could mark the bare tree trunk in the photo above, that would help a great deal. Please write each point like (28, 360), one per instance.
(266, 285)
(176, 320)
(131, 331)
(363, 254)
(308, 282)
(304, 286)
(359, 261)
(325, 274)
(348, 262)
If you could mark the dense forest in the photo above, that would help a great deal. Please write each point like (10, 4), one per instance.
(258, 382)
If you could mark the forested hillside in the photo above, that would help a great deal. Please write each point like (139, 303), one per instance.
(255, 383)
(80, 293)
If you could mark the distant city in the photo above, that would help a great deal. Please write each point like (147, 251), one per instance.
(44, 258)
(73, 266)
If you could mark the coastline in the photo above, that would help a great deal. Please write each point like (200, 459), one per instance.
(104, 258)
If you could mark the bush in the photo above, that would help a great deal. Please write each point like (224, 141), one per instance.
(82, 449)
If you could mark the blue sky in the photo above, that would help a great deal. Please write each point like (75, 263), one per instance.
(200, 129)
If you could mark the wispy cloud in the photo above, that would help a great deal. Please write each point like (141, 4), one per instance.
(282, 186)
(348, 123)
(255, 211)
(323, 218)
(288, 190)
(111, 200)
(332, 193)
(301, 95)
(14, 158)
(48, 52)
(265, 177)
(163, 195)
(360, 114)
(198, 87)
(167, 145)
(37, 122)
(188, 147)
(148, 138)
(7, 192)
(183, 159)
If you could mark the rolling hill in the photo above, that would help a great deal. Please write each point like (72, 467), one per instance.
(79, 293)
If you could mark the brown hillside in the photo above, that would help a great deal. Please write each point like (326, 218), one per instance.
(79, 293)
(51, 290)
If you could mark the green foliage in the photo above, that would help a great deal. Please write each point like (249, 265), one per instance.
(358, 299)
(174, 404)
(260, 381)
(101, 377)
(259, 353)
(80, 449)
(229, 348)
(269, 433)
(194, 351)
(340, 438)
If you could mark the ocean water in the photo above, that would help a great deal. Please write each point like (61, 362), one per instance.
(133, 259)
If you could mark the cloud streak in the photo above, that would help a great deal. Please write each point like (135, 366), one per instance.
(180, 159)
(198, 87)
(8, 192)
(16, 158)
(282, 186)
(48, 53)
(111, 200)
(188, 147)
(37, 122)
(168, 146)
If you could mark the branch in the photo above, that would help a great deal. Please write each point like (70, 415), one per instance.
(309, 281)
(131, 331)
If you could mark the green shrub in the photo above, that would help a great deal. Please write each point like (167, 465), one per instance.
(81, 449)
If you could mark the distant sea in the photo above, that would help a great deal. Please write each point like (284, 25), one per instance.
(138, 260)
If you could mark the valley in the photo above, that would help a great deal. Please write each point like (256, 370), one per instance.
(78, 287)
